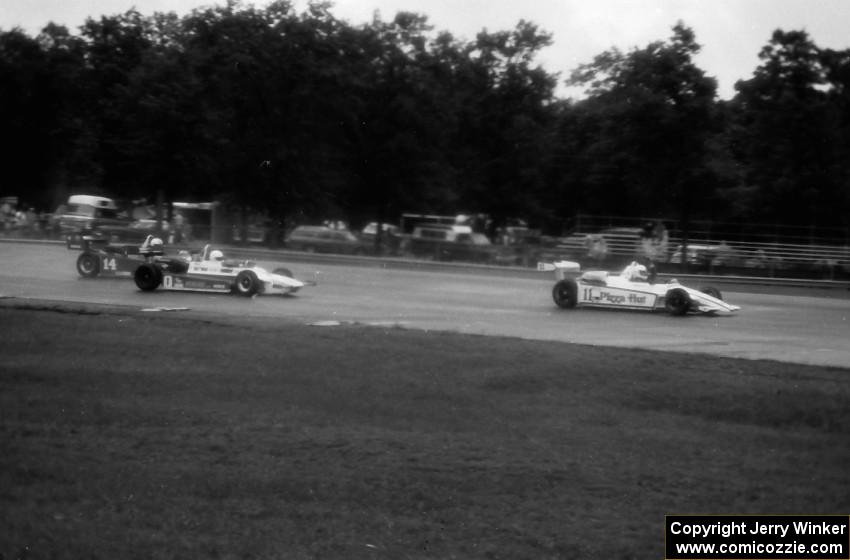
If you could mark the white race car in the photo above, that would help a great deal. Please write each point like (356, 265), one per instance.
(209, 272)
(633, 288)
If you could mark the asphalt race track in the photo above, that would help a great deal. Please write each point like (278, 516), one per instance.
(797, 327)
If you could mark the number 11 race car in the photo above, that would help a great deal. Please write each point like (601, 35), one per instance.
(209, 272)
(633, 288)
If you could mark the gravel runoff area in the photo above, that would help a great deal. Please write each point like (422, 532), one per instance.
(128, 434)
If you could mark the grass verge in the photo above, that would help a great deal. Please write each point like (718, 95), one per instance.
(130, 435)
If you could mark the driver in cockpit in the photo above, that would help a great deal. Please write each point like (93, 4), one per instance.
(637, 272)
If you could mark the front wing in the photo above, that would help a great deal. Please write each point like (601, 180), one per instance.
(704, 303)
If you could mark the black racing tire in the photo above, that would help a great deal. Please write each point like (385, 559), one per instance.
(283, 272)
(565, 294)
(247, 283)
(88, 264)
(148, 277)
(677, 302)
(711, 291)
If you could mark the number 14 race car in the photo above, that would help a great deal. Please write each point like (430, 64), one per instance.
(209, 272)
(99, 257)
(633, 288)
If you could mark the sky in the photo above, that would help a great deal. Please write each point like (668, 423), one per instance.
(731, 32)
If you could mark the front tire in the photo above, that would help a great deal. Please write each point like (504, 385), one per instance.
(565, 294)
(88, 265)
(677, 302)
(147, 277)
(247, 283)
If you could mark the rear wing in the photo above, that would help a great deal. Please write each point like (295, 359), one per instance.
(562, 269)
(84, 241)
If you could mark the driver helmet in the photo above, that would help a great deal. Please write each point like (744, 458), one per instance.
(216, 255)
(639, 272)
(156, 243)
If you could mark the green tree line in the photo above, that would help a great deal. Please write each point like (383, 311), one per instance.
(305, 116)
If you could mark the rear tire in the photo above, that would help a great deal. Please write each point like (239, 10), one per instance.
(88, 265)
(147, 277)
(565, 294)
(677, 302)
(247, 283)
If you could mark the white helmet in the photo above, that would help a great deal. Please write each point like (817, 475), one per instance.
(638, 272)
(216, 255)
(156, 243)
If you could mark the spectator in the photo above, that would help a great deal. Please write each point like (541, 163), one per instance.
(20, 222)
(179, 224)
(654, 241)
(6, 215)
(32, 223)
(44, 223)
(597, 247)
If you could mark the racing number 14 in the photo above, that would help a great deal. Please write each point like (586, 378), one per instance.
(109, 263)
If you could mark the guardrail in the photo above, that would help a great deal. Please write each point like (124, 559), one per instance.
(741, 258)
(715, 231)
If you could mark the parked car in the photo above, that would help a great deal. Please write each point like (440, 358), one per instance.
(458, 243)
(371, 229)
(322, 239)
(124, 233)
(390, 237)
(87, 212)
